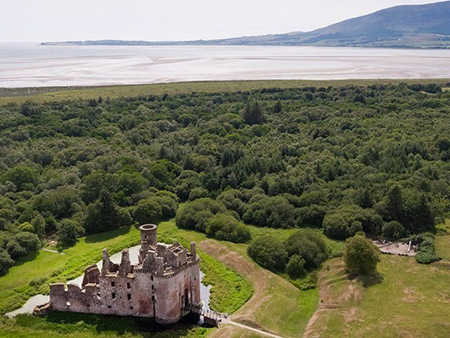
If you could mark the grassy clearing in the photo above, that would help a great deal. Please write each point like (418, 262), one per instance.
(20, 95)
(410, 300)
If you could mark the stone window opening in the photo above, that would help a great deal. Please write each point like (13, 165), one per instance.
(129, 296)
(113, 284)
(113, 295)
(109, 306)
(128, 286)
(131, 308)
(152, 277)
(153, 287)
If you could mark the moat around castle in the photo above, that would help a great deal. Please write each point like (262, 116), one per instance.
(132, 258)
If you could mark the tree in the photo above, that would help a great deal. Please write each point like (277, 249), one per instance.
(278, 107)
(361, 256)
(394, 204)
(365, 199)
(393, 231)
(269, 252)
(295, 267)
(273, 212)
(253, 114)
(22, 177)
(347, 220)
(5, 262)
(102, 215)
(68, 233)
(148, 211)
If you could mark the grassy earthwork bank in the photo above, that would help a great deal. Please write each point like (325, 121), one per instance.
(276, 305)
(407, 299)
(46, 94)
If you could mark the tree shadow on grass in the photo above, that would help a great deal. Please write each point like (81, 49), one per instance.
(26, 258)
(105, 236)
(367, 280)
(72, 322)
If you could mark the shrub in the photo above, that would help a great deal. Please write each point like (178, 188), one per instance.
(195, 215)
(309, 245)
(347, 220)
(361, 255)
(226, 227)
(295, 267)
(273, 212)
(426, 254)
(269, 252)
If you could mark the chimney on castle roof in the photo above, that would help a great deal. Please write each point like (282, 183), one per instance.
(106, 263)
(125, 264)
(194, 250)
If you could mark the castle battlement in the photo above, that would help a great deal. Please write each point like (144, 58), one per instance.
(164, 283)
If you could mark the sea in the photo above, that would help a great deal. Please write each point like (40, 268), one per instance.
(33, 65)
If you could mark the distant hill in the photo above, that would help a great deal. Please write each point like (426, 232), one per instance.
(413, 26)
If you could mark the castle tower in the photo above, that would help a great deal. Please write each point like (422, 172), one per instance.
(148, 240)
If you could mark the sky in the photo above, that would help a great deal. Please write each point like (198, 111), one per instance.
(162, 20)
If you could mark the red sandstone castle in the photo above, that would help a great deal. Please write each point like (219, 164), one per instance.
(164, 285)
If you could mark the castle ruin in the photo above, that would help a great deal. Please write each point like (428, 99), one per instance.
(164, 285)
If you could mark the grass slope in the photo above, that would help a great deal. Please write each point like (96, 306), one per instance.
(411, 300)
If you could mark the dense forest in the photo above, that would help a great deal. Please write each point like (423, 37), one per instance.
(346, 159)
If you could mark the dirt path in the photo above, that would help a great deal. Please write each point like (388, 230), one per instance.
(52, 251)
(263, 281)
(261, 332)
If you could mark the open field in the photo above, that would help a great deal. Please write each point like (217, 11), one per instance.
(409, 300)
(19, 95)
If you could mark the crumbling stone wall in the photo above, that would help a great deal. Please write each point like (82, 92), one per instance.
(162, 286)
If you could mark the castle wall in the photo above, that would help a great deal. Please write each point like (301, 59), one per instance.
(174, 292)
(161, 286)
